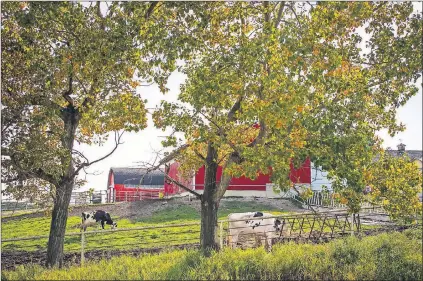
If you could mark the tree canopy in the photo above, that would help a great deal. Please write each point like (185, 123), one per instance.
(298, 71)
(60, 58)
(69, 74)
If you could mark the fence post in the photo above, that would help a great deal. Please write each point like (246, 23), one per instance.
(221, 235)
(352, 225)
(82, 247)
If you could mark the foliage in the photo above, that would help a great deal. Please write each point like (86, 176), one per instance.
(68, 61)
(69, 74)
(279, 81)
(396, 182)
(384, 257)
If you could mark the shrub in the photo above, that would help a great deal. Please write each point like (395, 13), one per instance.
(394, 256)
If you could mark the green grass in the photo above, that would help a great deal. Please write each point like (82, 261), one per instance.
(394, 256)
(163, 237)
(181, 214)
(124, 240)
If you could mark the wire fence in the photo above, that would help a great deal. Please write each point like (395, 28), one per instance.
(9, 204)
(243, 232)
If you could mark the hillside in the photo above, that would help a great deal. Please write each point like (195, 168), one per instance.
(172, 209)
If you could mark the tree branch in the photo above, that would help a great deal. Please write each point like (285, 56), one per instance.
(155, 166)
(234, 109)
(169, 157)
(118, 136)
(44, 101)
(199, 155)
(80, 154)
(38, 173)
(295, 14)
(182, 186)
(151, 9)
(261, 136)
(279, 16)
(305, 201)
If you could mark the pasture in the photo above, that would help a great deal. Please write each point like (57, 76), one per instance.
(393, 256)
(176, 212)
(150, 227)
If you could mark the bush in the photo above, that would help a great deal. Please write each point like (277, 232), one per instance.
(394, 256)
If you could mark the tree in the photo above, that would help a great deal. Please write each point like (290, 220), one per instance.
(271, 82)
(395, 182)
(69, 73)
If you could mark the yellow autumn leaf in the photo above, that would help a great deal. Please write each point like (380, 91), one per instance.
(279, 124)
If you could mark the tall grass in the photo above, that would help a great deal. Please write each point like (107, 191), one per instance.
(394, 256)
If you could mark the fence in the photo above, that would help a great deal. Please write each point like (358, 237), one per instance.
(313, 226)
(8, 204)
(146, 237)
(135, 195)
(305, 226)
(326, 200)
(77, 198)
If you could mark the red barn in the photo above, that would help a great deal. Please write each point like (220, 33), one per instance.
(172, 170)
(261, 186)
(132, 184)
(124, 183)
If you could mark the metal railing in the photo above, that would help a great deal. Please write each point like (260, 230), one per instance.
(136, 195)
(305, 226)
(326, 200)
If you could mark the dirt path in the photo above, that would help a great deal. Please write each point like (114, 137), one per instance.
(9, 260)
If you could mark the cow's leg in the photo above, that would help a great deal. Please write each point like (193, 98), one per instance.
(229, 240)
(269, 243)
(102, 224)
(234, 241)
(263, 241)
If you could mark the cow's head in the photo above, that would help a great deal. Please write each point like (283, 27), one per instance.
(277, 225)
(114, 225)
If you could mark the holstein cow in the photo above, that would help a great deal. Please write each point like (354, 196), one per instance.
(253, 223)
(96, 217)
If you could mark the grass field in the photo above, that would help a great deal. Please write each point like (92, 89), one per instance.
(40, 226)
(394, 256)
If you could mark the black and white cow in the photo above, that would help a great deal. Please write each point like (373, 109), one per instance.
(96, 217)
(253, 223)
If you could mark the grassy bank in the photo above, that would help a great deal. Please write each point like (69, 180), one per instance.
(394, 256)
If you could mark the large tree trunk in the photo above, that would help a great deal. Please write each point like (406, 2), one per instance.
(58, 225)
(209, 204)
(64, 187)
